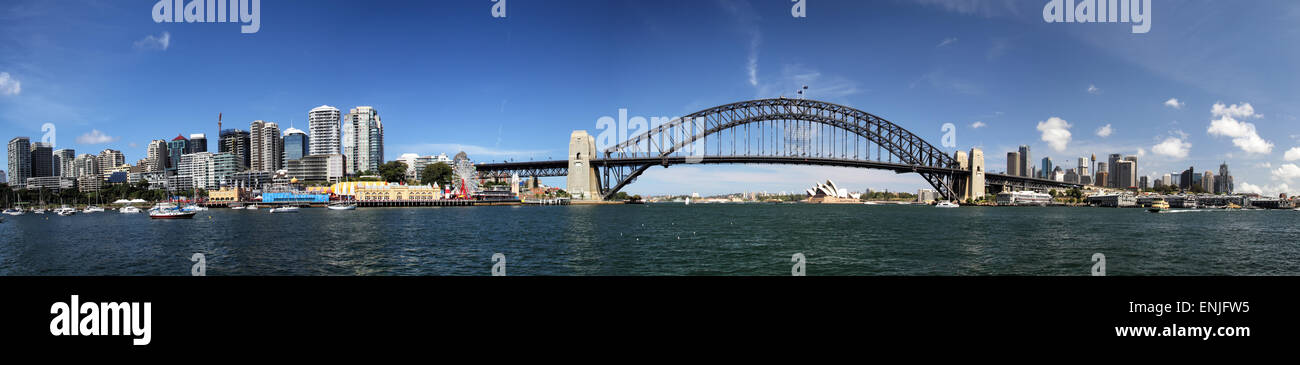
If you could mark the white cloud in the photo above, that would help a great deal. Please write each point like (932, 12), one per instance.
(1264, 165)
(822, 87)
(1293, 154)
(1287, 172)
(1245, 110)
(978, 125)
(9, 86)
(947, 41)
(1265, 190)
(1172, 147)
(95, 137)
(159, 42)
(1056, 132)
(1092, 89)
(1105, 131)
(1243, 134)
(1174, 103)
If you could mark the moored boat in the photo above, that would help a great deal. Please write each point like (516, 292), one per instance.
(342, 206)
(169, 211)
(12, 211)
(289, 209)
(946, 204)
(130, 209)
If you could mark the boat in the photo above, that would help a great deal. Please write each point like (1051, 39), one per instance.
(92, 209)
(289, 209)
(12, 211)
(946, 204)
(342, 206)
(251, 207)
(1159, 205)
(65, 211)
(169, 211)
(38, 211)
(1233, 206)
(130, 209)
(194, 208)
(870, 203)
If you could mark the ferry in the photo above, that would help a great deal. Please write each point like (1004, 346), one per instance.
(946, 204)
(1159, 205)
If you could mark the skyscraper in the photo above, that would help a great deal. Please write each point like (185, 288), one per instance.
(1125, 179)
(1103, 169)
(1223, 184)
(1013, 163)
(1207, 182)
(1082, 169)
(363, 139)
(1143, 183)
(1112, 161)
(3, 179)
(198, 143)
(64, 160)
(265, 146)
(1186, 181)
(323, 122)
(109, 159)
(1046, 169)
(296, 144)
(236, 142)
(20, 161)
(156, 156)
(1026, 163)
(42, 159)
(1133, 182)
(176, 148)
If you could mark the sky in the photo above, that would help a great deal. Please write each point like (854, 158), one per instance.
(1210, 82)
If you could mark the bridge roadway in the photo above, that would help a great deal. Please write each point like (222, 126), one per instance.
(528, 169)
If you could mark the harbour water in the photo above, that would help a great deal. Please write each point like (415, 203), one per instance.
(659, 239)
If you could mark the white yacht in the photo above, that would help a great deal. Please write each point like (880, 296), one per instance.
(288, 209)
(343, 206)
(130, 209)
(13, 211)
(946, 204)
(65, 211)
(92, 209)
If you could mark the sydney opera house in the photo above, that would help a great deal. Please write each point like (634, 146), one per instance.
(829, 193)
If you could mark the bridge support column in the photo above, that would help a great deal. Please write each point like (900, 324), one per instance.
(583, 182)
(975, 185)
(960, 190)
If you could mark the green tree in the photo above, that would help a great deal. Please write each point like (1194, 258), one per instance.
(439, 173)
(393, 171)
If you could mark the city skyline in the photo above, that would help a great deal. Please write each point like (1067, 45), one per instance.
(504, 89)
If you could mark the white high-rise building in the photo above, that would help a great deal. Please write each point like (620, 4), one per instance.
(156, 156)
(265, 146)
(363, 140)
(64, 162)
(323, 125)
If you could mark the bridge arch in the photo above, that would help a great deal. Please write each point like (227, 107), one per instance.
(794, 126)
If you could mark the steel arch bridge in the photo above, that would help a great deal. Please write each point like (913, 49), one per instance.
(769, 131)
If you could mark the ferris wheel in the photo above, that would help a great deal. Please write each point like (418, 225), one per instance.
(464, 177)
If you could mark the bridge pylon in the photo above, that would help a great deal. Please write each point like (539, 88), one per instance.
(583, 182)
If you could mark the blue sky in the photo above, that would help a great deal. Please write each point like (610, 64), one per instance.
(447, 76)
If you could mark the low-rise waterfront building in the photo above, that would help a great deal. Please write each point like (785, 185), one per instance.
(1112, 200)
(1023, 198)
(227, 195)
(53, 183)
(393, 192)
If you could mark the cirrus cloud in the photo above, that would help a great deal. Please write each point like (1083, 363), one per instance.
(159, 42)
(9, 86)
(95, 137)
